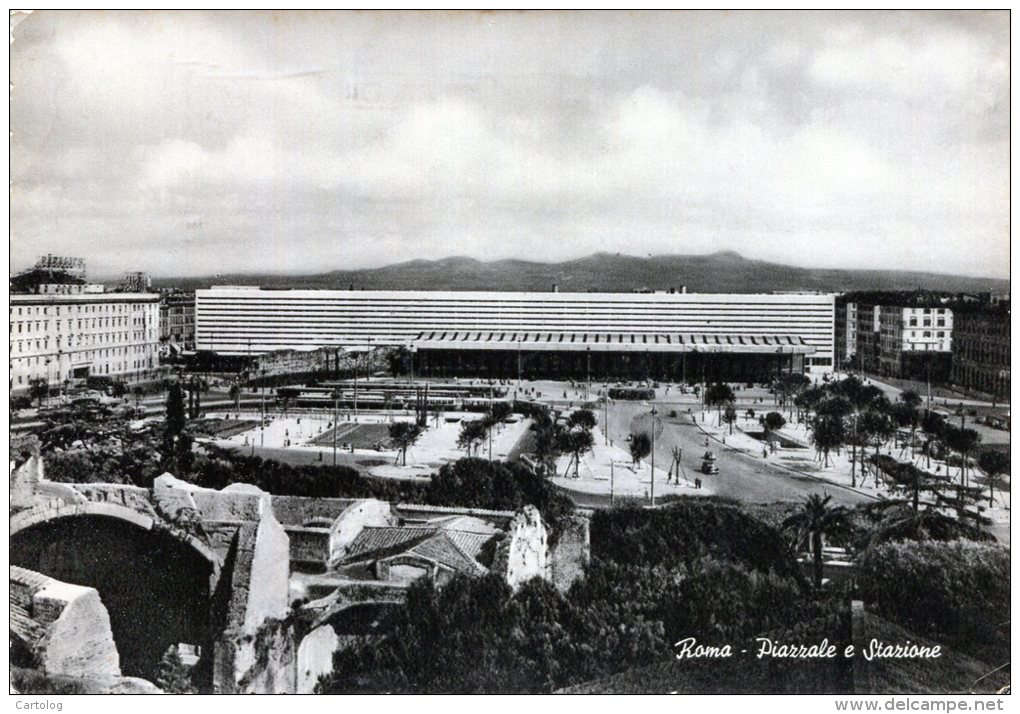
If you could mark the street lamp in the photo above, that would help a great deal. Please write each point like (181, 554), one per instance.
(336, 414)
(262, 423)
(48, 382)
(654, 412)
(587, 374)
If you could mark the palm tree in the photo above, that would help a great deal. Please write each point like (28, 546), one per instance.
(816, 520)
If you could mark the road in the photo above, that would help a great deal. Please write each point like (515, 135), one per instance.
(741, 477)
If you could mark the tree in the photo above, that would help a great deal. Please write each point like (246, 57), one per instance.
(993, 463)
(577, 442)
(404, 434)
(400, 360)
(547, 440)
(910, 412)
(791, 386)
(583, 419)
(500, 411)
(472, 434)
(809, 399)
(876, 428)
(963, 442)
(717, 395)
(173, 426)
(934, 427)
(860, 397)
(730, 416)
(828, 434)
(816, 520)
(173, 677)
(640, 446)
(774, 421)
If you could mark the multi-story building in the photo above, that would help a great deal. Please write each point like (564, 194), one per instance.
(981, 350)
(177, 322)
(733, 336)
(66, 337)
(908, 341)
(915, 342)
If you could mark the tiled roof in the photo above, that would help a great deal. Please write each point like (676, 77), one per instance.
(460, 550)
(473, 544)
(442, 549)
(382, 541)
(466, 524)
(423, 508)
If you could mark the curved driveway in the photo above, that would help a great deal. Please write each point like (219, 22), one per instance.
(741, 477)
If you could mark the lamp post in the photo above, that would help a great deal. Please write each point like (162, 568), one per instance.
(612, 481)
(605, 420)
(48, 382)
(587, 374)
(518, 360)
(336, 414)
(654, 412)
(262, 409)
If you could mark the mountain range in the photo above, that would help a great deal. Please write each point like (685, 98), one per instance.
(724, 271)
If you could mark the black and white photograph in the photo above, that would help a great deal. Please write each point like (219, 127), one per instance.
(510, 352)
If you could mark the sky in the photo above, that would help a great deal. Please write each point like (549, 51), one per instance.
(193, 143)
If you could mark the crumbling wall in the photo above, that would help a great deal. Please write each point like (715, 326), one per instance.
(256, 651)
(309, 546)
(315, 657)
(259, 662)
(268, 584)
(571, 553)
(66, 627)
(524, 554)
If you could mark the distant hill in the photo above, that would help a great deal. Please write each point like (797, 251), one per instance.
(718, 272)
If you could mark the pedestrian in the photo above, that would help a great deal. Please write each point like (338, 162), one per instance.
(764, 452)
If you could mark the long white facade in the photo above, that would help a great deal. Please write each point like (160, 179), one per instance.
(243, 320)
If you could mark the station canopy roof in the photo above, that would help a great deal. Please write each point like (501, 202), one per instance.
(612, 342)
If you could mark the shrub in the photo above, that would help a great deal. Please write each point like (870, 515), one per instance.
(957, 591)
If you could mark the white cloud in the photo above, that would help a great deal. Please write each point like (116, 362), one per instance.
(823, 142)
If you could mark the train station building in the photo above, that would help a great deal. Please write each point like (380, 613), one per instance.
(663, 335)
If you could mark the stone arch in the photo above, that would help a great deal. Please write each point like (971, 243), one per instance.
(49, 512)
(156, 582)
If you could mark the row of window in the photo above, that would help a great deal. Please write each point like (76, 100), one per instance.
(89, 340)
(87, 309)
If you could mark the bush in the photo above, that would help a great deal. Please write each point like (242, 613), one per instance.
(957, 592)
(685, 531)
(497, 485)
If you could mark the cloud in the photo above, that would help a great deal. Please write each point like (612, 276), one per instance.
(317, 141)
